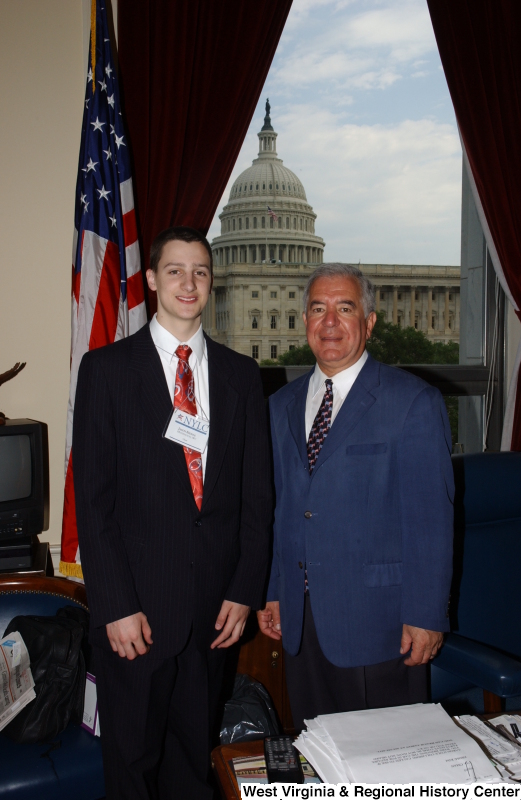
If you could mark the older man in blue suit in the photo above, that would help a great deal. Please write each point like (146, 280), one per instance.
(362, 554)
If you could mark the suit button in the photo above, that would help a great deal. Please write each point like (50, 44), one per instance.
(301, 565)
(198, 523)
(308, 514)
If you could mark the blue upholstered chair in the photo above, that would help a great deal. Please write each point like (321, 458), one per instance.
(484, 646)
(70, 766)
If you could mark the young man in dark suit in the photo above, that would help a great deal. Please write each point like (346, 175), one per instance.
(362, 555)
(173, 532)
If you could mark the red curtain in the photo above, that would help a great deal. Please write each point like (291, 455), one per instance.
(191, 75)
(479, 44)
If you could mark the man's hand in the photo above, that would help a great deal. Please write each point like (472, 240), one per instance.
(269, 620)
(231, 621)
(130, 636)
(425, 644)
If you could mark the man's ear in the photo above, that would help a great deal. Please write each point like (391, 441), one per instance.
(304, 317)
(151, 280)
(370, 323)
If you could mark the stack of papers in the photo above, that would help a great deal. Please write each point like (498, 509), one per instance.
(15, 676)
(506, 754)
(407, 744)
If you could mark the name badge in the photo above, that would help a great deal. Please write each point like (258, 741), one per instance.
(188, 430)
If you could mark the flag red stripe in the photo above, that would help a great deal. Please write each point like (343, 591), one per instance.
(135, 293)
(105, 319)
(69, 534)
(129, 227)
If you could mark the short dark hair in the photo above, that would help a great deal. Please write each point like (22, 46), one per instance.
(178, 233)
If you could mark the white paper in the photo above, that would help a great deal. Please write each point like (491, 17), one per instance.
(16, 680)
(407, 744)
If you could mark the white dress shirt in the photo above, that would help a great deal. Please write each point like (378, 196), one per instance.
(342, 384)
(166, 345)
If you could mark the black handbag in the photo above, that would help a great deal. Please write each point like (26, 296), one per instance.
(55, 645)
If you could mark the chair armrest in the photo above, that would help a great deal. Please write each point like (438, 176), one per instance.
(482, 665)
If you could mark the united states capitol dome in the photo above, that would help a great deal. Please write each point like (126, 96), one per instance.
(267, 217)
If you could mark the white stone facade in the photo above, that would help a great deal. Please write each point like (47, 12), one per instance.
(262, 264)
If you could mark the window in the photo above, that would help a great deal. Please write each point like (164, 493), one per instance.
(450, 298)
(271, 222)
(255, 351)
(273, 295)
(416, 295)
(254, 323)
(247, 223)
(255, 293)
(280, 222)
(291, 322)
(263, 185)
(240, 224)
(287, 222)
(292, 347)
(306, 224)
(229, 225)
(271, 185)
(382, 295)
(294, 223)
(251, 186)
(301, 223)
(254, 222)
(233, 224)
(256, 187)
(263, 222)
(399, 295)
(273, 351)
(291, 295)
(273, 322)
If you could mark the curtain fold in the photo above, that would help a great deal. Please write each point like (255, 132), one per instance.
(191, 73)
(478, 42)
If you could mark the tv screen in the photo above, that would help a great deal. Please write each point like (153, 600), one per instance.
(15, 467)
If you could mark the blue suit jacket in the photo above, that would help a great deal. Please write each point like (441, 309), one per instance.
(378, 543)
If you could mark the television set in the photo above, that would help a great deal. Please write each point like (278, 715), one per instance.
(24, 478)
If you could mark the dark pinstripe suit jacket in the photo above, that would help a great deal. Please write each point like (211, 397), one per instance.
(144, 544)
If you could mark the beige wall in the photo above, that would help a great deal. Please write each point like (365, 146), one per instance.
(41, 103)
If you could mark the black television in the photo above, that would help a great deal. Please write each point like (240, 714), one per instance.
(24, 478)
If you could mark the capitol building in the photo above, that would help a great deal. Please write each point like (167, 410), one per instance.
(268, 248)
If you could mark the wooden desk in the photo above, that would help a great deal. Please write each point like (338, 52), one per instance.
(224, 772)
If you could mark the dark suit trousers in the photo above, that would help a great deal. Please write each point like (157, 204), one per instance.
(316, 686)
(156, 719)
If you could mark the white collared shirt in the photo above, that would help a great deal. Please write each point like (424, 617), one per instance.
(166, 345)
(342, 385)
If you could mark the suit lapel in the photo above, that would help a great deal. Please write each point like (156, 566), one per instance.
(155, 399)
(223, 403)
(355, 406)
(296, 411)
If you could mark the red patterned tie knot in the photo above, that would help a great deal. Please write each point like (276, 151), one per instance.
(183, 352)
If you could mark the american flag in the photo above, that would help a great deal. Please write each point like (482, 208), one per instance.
(272, 214)
(107, 285)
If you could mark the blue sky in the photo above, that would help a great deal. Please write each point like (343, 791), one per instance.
(364, 117)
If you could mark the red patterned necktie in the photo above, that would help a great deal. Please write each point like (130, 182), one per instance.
(184, 399)
(321, 425)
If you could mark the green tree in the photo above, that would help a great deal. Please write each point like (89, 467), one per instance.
(392, 344)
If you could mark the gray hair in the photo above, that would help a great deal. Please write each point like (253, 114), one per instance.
(346, 271)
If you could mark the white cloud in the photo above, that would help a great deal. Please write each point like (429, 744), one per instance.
(365, 50)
